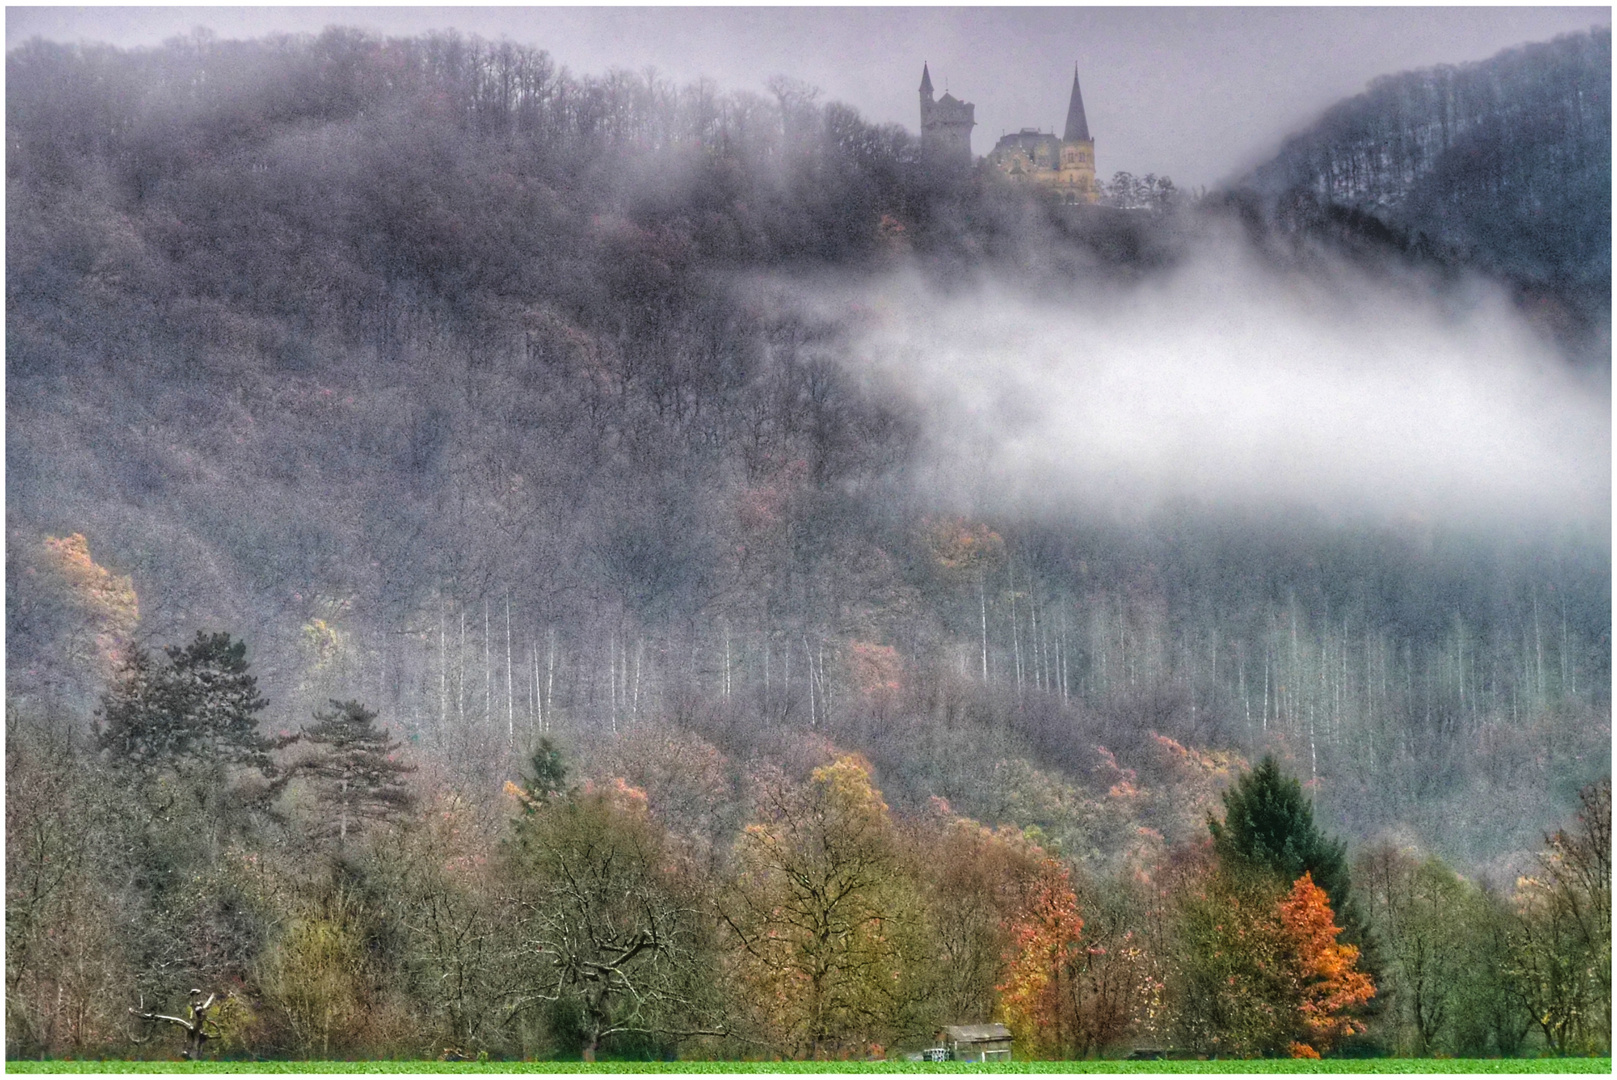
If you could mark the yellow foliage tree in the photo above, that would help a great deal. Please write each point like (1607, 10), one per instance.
(327, 647)
(314, 979)
(102, 608)
(1037, 996)
(829, 926)
(962, 547)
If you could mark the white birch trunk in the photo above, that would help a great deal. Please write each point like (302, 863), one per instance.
(639, 659)
(982, 596)
(548, 705)
(1016, 641)
(510, 700)
(809, 653)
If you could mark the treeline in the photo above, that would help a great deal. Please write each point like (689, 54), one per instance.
(321, 894)
(428, 152)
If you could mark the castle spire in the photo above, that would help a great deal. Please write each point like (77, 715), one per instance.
(926, 79)
(1077, 125)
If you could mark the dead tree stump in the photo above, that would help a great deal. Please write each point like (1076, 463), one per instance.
(195, 1036)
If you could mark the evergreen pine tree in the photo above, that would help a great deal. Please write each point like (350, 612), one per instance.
(548, 777)
(356, 777)
(1269, 826)
(201, 708)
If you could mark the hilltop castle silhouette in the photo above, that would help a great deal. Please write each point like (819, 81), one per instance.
(945, 126)
(1065, 165)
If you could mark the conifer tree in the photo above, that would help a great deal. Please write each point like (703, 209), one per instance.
(201, 708)
(548, 779)
(1269, 826)
(357, 778)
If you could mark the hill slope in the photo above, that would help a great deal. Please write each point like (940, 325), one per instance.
(446, 379)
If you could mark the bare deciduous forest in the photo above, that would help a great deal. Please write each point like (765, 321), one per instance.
(466, 595)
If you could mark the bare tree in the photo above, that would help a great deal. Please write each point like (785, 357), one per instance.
(194, 1026)
(618, 939)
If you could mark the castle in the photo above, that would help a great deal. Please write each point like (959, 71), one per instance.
(945, 126)
(1065, 165)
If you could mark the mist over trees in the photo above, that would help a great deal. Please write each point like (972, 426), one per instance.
(471, 396)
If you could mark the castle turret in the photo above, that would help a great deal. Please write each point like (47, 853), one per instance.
(1077, 123)
(945, 126)
(1077, 177)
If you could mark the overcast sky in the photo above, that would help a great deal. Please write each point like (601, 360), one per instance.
(1197, 94)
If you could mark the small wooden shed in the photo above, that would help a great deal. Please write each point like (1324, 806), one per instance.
(976, 1042)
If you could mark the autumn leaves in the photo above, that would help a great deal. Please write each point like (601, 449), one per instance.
(851, 928)
(1223, 959)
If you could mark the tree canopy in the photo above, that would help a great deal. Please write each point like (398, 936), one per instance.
(199, 706)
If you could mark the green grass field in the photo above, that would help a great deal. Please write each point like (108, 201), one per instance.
(1361, 1065)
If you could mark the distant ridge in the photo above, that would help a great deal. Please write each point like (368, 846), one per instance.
(1505, 163)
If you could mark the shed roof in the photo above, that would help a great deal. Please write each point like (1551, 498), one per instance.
(976, 1032)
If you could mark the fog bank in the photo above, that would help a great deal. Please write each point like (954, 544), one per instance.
(1233, 386)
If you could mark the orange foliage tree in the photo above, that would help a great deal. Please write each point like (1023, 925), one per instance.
(1038, 995)
(107, 600)
(77, 614)
(1329, 982)
(975, 881)
(878, 673)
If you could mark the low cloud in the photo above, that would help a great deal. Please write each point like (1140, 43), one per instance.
(1233, 386)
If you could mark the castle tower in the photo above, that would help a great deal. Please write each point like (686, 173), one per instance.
(1077, 179)
(945, 126)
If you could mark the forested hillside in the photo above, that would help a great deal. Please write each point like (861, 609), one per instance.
(1504, 164)
(481, 444)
